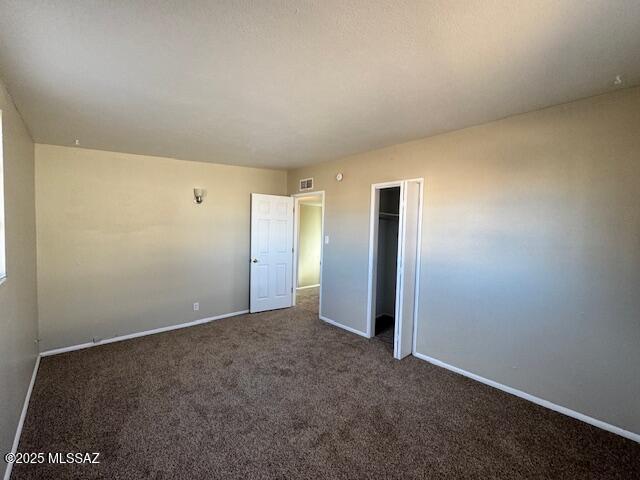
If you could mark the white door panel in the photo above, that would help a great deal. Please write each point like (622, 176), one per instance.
(271, 252)
(407, 255)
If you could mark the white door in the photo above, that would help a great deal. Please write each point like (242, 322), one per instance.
(407, 262)
(271, 252)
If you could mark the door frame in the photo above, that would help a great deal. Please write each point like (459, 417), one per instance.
(373, 253)
(296, 234)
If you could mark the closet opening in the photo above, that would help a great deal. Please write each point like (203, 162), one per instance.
(386, 264)
(394, 264)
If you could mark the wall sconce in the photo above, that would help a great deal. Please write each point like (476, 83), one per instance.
(198, 195)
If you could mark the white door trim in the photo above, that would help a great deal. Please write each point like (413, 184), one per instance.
(397, 310)
(373, 247)
(296, 234)
(418, 262)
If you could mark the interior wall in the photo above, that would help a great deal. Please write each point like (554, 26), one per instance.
(530, 249)
(310, 243)
(18, 295)
(123, 248)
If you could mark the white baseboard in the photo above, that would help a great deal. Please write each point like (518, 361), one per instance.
(540, 401)
(308, 286)
(23, 415)
(81, 346)
(348, 329)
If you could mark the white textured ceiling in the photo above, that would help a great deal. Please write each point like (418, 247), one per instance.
(288, 83)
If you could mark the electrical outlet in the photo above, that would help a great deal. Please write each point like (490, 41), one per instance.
(196, 307)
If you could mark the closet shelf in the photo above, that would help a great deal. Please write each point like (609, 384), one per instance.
(389, 215)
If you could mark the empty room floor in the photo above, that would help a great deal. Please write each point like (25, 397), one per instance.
(284, 395)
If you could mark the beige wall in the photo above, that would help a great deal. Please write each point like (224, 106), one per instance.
(530, 254)
(122, 247)
(310, 243)
(18, 302)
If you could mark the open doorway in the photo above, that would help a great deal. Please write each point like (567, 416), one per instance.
(307, 250)
(394, 262)
(386, 264)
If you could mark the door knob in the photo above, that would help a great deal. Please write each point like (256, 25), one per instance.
(254, 260)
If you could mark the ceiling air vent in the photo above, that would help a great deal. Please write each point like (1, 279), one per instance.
(306, 184)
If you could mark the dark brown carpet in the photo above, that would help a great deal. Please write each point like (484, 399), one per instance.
(284, 395)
